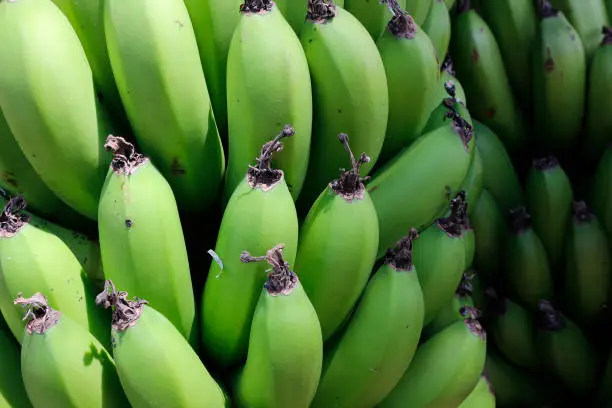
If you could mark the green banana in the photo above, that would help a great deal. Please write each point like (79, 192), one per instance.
(412, 72)
(12, 390)
(445, 369)
(479, 65)
(514, 24)
(387, 322)
(214, 23)
(477, 289)
(598, 132)
(267, 83)
(140, 332)
(60, 137)
(608, 4)
(437, 25)
(262, 209)
(482, 396)
(37, 256)
(548, 192)
(294, 12)
(601, 194)
(374, 15)
(499, 175)
(165, 95)
(447, 73)
(565, 350)
(469, 238)
(449, 4)
(559, 80)
(142, 245)
(489, 227)
(473, 183)
(447, 107)
(418, 9)
(526, 268)
(422, 198)
(62, 364)
(350, 93)
(588, 267)
(285, 353)
(337, 245)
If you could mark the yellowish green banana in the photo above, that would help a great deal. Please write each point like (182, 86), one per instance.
(482, 396)
(374, 15)
(12, 390)
(437, 25)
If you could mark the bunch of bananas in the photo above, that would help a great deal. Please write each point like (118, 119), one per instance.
(313, 203)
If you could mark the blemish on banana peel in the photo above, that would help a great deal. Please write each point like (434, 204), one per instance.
(125, 311)
(402, 24)
(475, 55)
(549, 63)
(12, 217)
(125, 158)
(350, 185)
(263, 175)
(176, 168)
(281, 280)
(400, 257)
(42, 316)
(321, 11)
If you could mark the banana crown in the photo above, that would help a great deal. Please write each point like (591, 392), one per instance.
(256, 6)
(125, 312)
(125, 158)
(457, 221)
(12, 217)
(350, 185)
(549, 318)
(263, 175)
(400, 257)
(582, 213)
(607, 36)
(321, 11)
(402, 24)
(470, 316)
(519, 220)
(281, 280)
(42, 316)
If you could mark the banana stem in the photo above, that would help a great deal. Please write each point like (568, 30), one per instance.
(548, 318)
(400, 257)
(281, 280)
(581, 211)
(12, 217)
(42, 316)
(350, 185)
(457, 221)
(546, 163)
(519, 220)
(256, 6)
(125, 312)
(263, 174)
(607, 36)
(125, 158)
(321, 11)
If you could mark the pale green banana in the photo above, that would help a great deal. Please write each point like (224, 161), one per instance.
(437, 25)
(482, 396)
(418, 9)
(489, 227)
(12, 390)
(374, 15)
(601, 194)
(294, 12)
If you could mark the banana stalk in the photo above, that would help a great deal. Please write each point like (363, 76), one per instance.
(601, 194)
(374, 15)
(437, 25)
(489, 226)
(482, 396)
(12, 390)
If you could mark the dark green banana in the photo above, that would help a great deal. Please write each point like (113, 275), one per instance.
(489, 229)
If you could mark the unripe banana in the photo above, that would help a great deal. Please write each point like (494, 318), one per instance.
(294, 12)
(412, 77)
(473, 183)
(447, 73)
(514, 24)
(425, 196)
(565, 350)
(418, 9)
(389, 319)
(601, 195)
(445, 369)
(479, 65)
(374, 15)
(350, 93)
(62, 364)
(489, 227)
(548, 192)
(526, 268)
(37, 256)
(482, 396)
(608, 4)
(267, 83)
(559, 80)
(140, 333)
(165, 95)
(60, 136)
(262, 209)
(337, 245)
(12, 390)
(445, 110)
(142, 245)
(285, 354)
(588, 267)
(437, 25)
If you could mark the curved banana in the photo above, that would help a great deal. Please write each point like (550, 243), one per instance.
(350, 93)
(267, 83)
(548, 192)
(418, 9)
(142, 245)
(445, 369)
(12, 390)
(165, 95)
(437, 25)
(337, 245)
(482, 396)
(489, 227)
(559, 81)
(374, 15)
(262, 209)
(601, 194)
(389, 319)
(178, 377)
(412, 72)
(285, 354)
(62, 364)
(294, 12)
(61, 137)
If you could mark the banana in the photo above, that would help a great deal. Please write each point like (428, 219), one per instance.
(62, 364)
(489, 226)
(423, 197)
(139, 332)
(565, 350)
(267, 83)
(374, 15)
(601, 194)
(418, 9)
(412, 72)
(598, 132)
(142, 246)
(337, 245)
(447, 73)
(499, 175)
(350, 93)
(473, 183)
(482, 396)
(262, 209)
(608, 4)
(37, 256)
(514, 24)
(527, 271)
(445, 369)
(479, 65)
(588, 267)
(446, 108)
(60, 137)
(388, 321)
(437, 25)
(294, 12)
(162, 86)
(477, 289)
(559, 80)
(450, 4)
(285, 353)
(548, 192)
(12, 390)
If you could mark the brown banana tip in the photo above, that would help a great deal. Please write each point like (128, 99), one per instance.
(519, 220)
(256, 6)
(581, 211)
(545, 163)
(400, 257)
(39, 315)
(447, 65)
(401, 25)
(263, 175)
(126, 312)
(281, 280)
(449, 87)
(321, 11)
(457, 221)
(125, 158)
(548, 317)
(350, 185)
(465, 287)
(13, 218)
(470, 316)
(607, 35)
